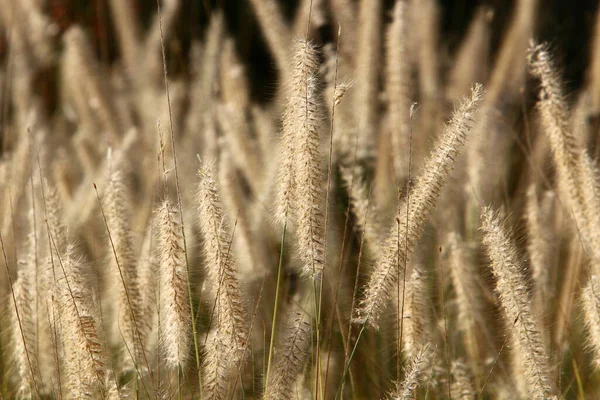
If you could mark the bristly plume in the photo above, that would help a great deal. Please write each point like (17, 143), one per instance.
(305, 64)
(590, 300)
(229, 315)
(218, 368)
(56, 228)
(300, 189)
(416, 311)
(175, 340)
(414, 374)
(309, 180)
(290, 357)
(84, 356)
(23, 322)
(529, 344)
(416, 210)
(147, 267)
(554, 114)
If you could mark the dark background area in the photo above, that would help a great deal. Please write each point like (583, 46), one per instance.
(567, 25)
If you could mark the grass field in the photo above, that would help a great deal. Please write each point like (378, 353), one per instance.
(318, 199)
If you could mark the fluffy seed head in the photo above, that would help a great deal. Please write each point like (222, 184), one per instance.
(515, 300)
(416, 210)
(175, 314)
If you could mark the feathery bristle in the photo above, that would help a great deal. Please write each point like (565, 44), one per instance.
(84, 357)
(416, 311)
(512, 289)
(296, 116)
(414, 374)
(23, 322)
(175, 329)
(290, 357)
(221, 276)
(310, 201)
(590, 300)
(554, 114)
(417, 206)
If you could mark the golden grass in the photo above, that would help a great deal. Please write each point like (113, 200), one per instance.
(370, 232)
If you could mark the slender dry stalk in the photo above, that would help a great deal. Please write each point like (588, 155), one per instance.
(290, 357)
(436, 170)
(160, 31)
(528, 340)
(315, 9)
(344, 11)
(175, 329)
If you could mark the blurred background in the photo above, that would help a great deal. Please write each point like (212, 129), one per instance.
(567, 25)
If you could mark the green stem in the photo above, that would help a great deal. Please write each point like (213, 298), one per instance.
(362, 329)
(273, 324)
